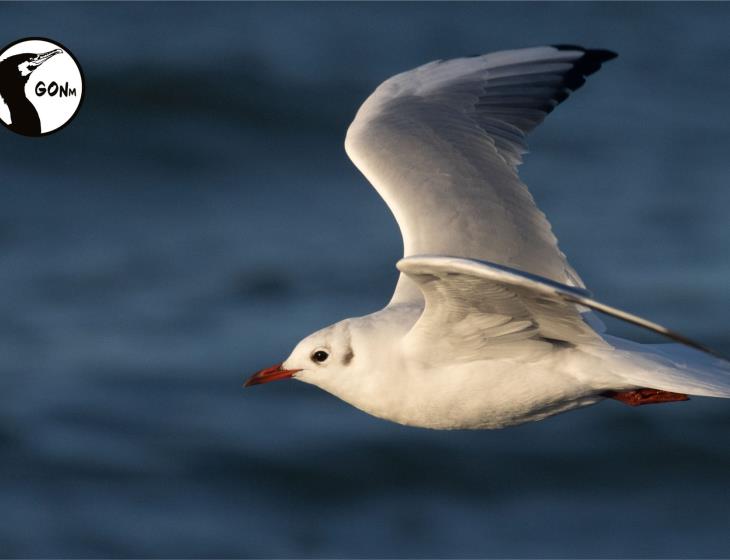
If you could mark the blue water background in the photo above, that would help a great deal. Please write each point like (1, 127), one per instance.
(200, 216)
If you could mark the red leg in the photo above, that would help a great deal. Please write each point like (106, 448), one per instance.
(638, 397)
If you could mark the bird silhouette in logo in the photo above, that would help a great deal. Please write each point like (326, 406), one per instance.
(14, 73)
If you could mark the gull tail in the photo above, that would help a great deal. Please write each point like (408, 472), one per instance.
(674, 368)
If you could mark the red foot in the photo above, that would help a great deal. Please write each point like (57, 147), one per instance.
(638, 397)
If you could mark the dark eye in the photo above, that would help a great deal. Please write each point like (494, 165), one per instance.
(320, 356)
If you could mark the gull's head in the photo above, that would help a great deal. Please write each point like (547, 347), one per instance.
(325, 358)
(358, 360)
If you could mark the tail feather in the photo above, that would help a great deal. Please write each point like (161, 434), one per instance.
(673, 367)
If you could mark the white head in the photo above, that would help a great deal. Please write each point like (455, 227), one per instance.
(327, 358)
(358, 360)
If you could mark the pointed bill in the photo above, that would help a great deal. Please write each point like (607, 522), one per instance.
(273, 373)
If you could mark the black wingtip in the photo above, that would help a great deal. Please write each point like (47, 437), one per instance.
(586, 65)
(594, 56)
(604, 53)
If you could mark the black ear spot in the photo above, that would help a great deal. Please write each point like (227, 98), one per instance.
(349, 355)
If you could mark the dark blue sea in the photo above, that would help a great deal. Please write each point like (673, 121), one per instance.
(200, 216)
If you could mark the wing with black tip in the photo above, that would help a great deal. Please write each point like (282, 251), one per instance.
(441, 144)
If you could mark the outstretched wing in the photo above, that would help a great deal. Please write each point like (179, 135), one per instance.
(484, 308)
(441, 143)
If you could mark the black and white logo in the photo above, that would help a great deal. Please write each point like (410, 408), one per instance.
(41, 86)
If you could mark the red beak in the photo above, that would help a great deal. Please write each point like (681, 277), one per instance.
(274, 373)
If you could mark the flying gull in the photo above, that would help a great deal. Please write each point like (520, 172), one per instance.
(489, 325)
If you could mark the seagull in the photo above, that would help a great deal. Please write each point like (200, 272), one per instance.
(489, 325)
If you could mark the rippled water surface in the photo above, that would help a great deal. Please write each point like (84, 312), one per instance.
(200, 216)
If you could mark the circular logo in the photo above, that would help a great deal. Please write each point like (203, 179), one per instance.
(41, 86)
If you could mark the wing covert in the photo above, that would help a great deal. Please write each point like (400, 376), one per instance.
(485, 307)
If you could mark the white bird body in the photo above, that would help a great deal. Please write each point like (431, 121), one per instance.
(477, 393)
(390, 379)
(489, 326)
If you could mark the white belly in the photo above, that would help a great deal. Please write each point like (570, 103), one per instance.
(484, 395)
